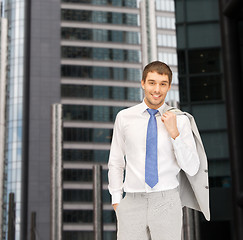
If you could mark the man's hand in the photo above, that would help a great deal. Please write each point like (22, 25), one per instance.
(115, 206)
(169, 119)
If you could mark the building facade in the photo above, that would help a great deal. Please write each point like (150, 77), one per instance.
(202, 93)
(32, 83)
(159, 39)
(86, 55)
(100, 75)
(166, 43)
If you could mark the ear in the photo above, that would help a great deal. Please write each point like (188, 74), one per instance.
(142, 84)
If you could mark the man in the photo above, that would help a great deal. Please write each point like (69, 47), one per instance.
(153, 145)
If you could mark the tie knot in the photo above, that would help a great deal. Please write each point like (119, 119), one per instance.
(152, 111)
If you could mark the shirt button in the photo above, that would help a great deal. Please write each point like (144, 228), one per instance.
(205, 170)
(207, 187)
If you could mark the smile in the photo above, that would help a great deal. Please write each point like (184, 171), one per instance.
(156, 96)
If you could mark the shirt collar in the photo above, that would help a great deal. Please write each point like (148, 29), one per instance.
(144, 108)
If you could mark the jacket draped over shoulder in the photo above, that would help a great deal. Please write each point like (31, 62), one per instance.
(194, 190)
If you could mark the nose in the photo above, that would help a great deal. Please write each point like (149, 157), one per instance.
(157, 88)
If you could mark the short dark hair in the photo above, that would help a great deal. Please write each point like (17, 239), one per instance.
(159, 67)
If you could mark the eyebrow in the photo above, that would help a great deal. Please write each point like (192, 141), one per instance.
(151, 80)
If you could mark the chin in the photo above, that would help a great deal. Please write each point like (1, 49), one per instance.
(156, 103)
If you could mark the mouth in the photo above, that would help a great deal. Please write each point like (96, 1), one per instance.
(156, 96)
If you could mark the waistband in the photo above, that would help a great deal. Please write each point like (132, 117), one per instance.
(165, 193)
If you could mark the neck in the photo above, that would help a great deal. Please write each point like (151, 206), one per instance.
(152, 106)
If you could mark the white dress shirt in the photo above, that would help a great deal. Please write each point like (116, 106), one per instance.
(128, 152)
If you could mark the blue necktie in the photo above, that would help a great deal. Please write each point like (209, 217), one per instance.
(151, 164)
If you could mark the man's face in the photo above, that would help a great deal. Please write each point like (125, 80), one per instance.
(155, 89)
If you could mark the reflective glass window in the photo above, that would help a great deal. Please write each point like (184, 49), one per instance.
(14, 122)
(169, 58)
(100, 35)
(165, 5)
(90, 113)
(220, 182)
(120, 74)
(181, 41)
(166, 40)
(216, 144)
(203, 35)
(181, 62)
(109, 217)
(165, 22)
(202, 10)
(217, 115)
(183, 90)
(99, 17)
(77, 235)
(77, 175)
(82, 175)
(74, 195)
(109, 235)
(100, 92)
(206, 88)
(77, 216)
(87, 135)
(101, 54)
(120, 3)
(204, 61)
(85, 155)
(84, 195)
(219, 173)
(179, 11)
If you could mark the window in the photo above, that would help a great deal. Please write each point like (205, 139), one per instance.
(169, 58)
(77, 216)
(100, 92)
(87, 135)
(204, 61)
(99, 17)
(100, 35)
(101, 54)
(166, 40)
(120, 74)
(165, 5)
(166, 22)
(206, 88)
(75, 155)
(90, 113)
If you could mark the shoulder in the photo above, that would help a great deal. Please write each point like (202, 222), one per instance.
(183, 119)
(129, 111)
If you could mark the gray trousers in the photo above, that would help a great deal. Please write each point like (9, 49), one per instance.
(145, 216)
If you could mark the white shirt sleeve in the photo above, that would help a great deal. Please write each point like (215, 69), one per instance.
(185, 147)
(116, 164)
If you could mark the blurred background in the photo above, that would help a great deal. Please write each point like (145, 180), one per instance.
(67, 67)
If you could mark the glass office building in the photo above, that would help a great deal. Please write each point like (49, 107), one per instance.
(32, 84)
(14, 12)
(166, 43)
(159, 38)
(201, 84)
(87, 55)
(100, 75)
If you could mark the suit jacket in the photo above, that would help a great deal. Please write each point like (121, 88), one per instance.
(194, 190)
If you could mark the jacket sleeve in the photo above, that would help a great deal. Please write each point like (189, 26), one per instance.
(116, 164)
(185, 147)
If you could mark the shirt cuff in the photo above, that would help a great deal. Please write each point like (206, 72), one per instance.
(116, 198)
